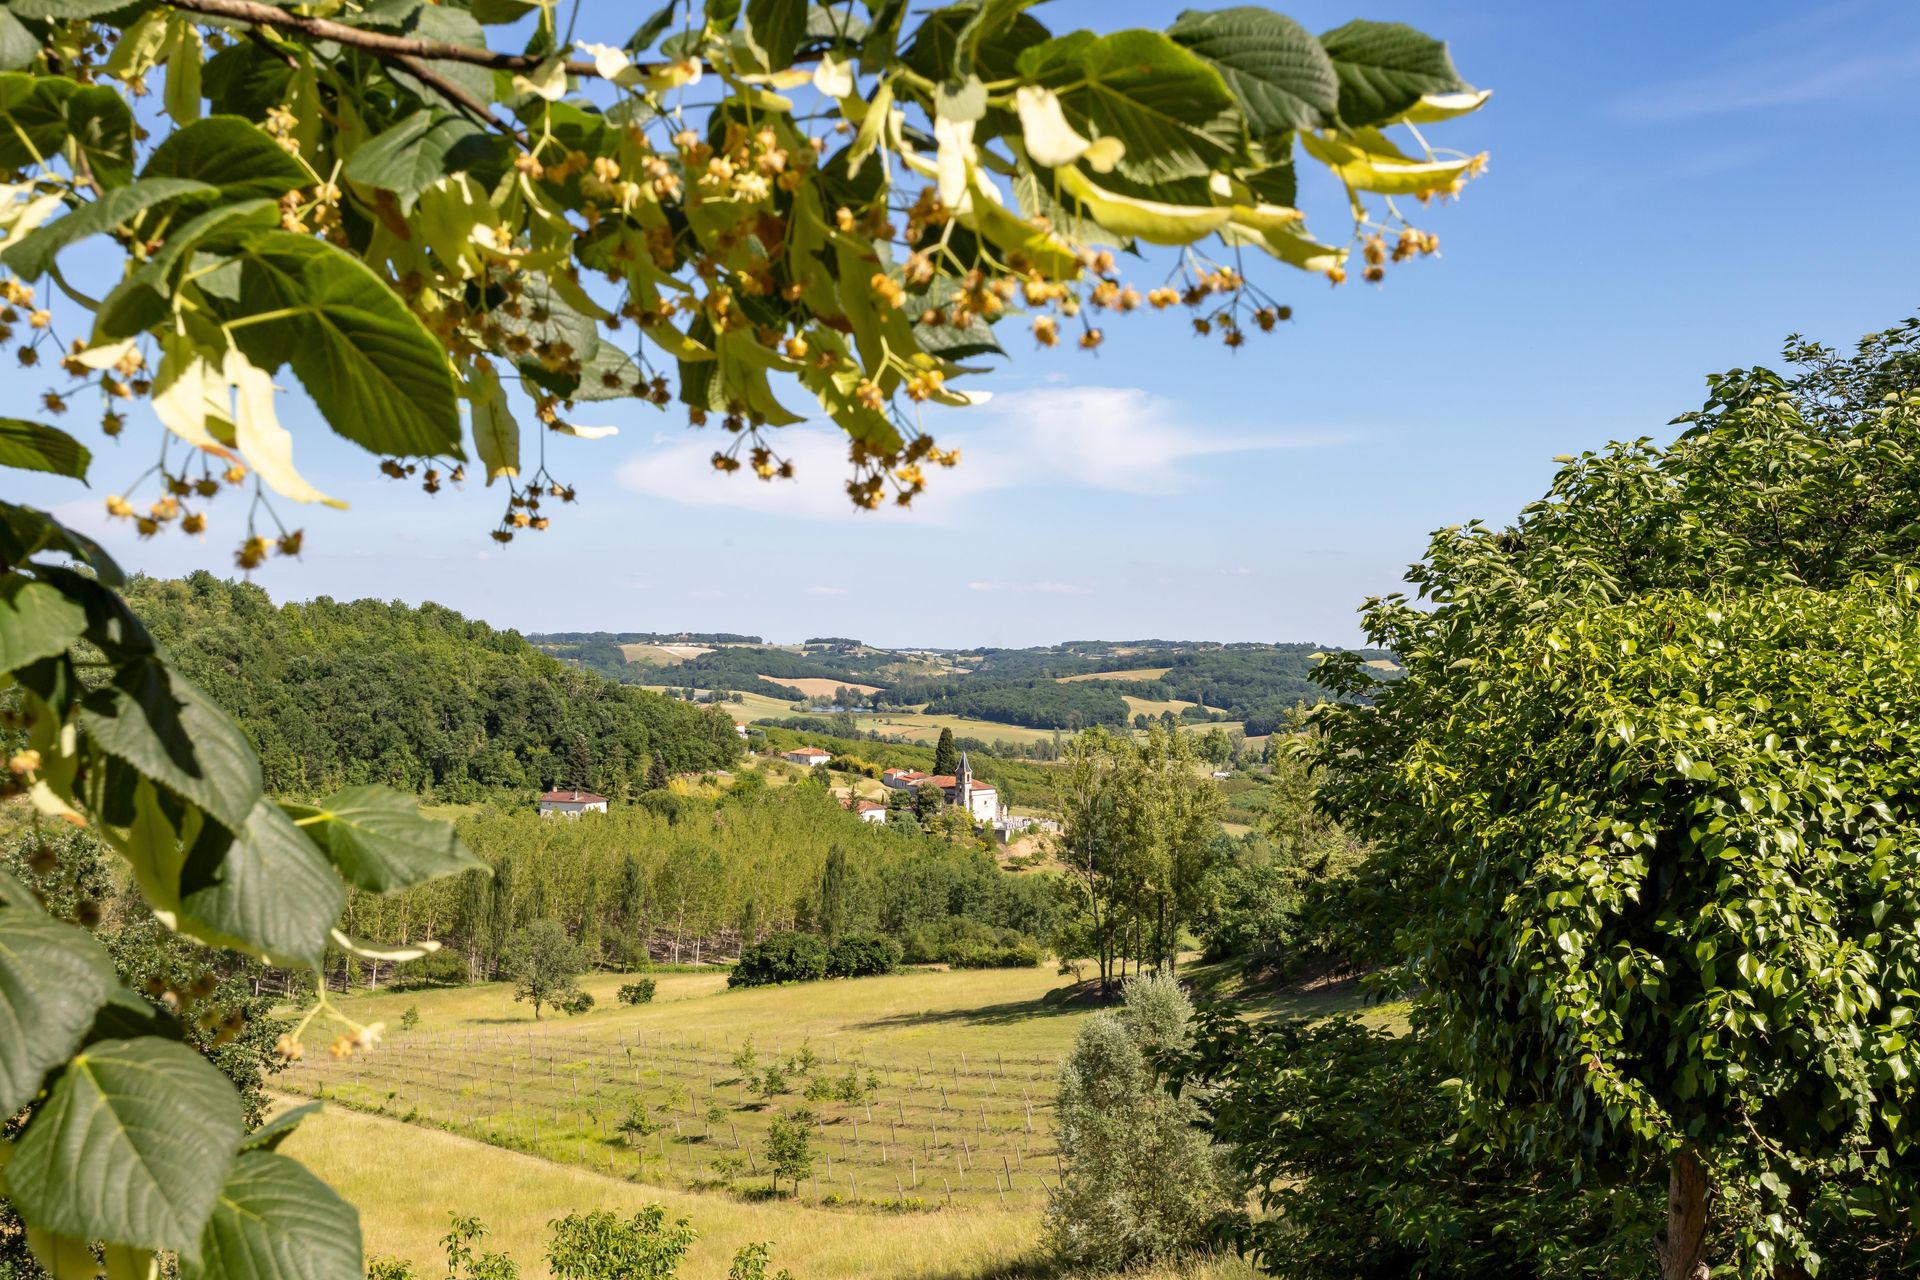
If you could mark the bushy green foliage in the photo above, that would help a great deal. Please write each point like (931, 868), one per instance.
(1140, 1180)
(604, 1246)
(1349, 1137)
(639, 991)
(543, 963)
(789, 1151)
(1644, 806)
(334, 694)
(970, 944)
(862, 955)
(780, 957)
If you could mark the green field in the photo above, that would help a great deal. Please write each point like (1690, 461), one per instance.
(941, 1169)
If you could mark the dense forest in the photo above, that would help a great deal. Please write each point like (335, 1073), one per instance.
(423, 699)
(1254, 683)
(685, 876)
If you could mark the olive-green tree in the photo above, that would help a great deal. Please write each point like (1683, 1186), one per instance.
(544, 964)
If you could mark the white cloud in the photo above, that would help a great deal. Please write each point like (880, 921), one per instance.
(826, 591)
(1791, 80)
(1236, 571)
(1031, 588)
(1120, 439)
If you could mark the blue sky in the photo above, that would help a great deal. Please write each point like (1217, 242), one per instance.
(1673, 189)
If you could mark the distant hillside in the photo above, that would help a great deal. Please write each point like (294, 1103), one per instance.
(423, 699)
(1066, 686)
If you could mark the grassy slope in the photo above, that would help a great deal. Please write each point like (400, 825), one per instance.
(1002, 1030)
(1133, 673)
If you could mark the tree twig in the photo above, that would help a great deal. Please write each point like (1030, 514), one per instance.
(375, 42)
(456, 95)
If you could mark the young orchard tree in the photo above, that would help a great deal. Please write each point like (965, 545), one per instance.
(790, 1148)
(735, 205)
(1644, 806)
(544, 964)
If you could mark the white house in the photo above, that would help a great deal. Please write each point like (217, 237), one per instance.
(871, 812)
(808, 756)
(739, 730)
(903, 779)
(981, 800)
(571, 803)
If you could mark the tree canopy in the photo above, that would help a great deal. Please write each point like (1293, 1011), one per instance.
(1645, 801)
(412, 207)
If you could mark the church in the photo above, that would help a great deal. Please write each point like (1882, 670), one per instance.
(981, 800)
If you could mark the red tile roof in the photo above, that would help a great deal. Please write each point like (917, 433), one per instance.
(866, 806)
(572, 797)
(809, 751)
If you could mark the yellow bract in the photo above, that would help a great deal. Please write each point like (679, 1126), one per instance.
(1148, 220)
(1366, 161)
(266, 445)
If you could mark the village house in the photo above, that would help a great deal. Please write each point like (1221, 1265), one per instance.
(869, 811)
(980, 800)
(808, 756)
(903, 779)
(739, 730)
(571, 803)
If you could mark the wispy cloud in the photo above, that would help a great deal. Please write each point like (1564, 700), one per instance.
(1032, 588)
(1806, 76)
(826, 591)
(1118, 439)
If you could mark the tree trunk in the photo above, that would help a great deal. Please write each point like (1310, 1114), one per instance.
(1684, 1243)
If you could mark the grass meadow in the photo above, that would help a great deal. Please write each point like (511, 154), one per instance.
(935, 1163)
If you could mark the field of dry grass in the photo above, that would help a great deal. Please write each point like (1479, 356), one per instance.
(820, 686)
(939, 1170)
(1132, 673)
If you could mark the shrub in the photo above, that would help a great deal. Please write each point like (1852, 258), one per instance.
(1141, 1182)
(969, 944)
(410, 1017)
(780, 957)
(640, 992)
(861, 955)
(601, 1246)
(578, 1002)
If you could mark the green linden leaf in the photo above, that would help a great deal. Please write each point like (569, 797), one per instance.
(1278, 71)
(270, 1135)
(25, 533)
(34, 446)
(275, 1221)
(40, 113)
(419, 151)
(131, 1147)
(53, 977)
(377, 375)
(33, 255)
(1172, 110)
(163, 727)
(271, 891)
(36, 621)
(378, 839)
(230, 154)
(64, 9)
(18, 46)
(452, 26)
(1384, 68)
(774, 30)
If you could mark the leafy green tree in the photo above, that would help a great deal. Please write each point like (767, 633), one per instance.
(1140, 1180)
(1637, 795)
(544, 964)
(833, 894)
(946, 756)
(790, 1148)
